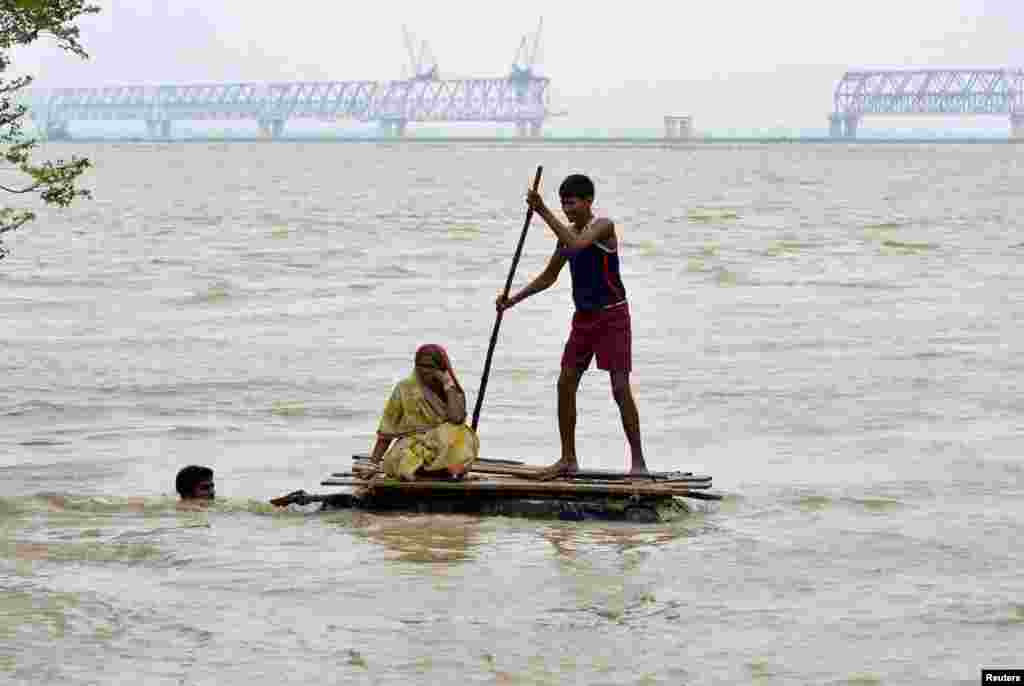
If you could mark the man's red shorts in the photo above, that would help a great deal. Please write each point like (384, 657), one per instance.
(605, 333)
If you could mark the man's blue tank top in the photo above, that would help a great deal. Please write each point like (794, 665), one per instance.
(596, 283)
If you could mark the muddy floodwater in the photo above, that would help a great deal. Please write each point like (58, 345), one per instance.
(833, 332)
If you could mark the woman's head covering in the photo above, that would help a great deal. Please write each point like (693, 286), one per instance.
(433, 356)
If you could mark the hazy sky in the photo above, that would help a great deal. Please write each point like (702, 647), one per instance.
(742, 64)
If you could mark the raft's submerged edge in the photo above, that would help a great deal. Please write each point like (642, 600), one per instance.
(662, 509)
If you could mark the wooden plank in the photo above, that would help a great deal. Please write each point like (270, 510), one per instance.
(611, 475)
(529, 472)
(369, 470)
(596, 474)
(483, 460)
(515, 487)
(484, 465)
(504, 489)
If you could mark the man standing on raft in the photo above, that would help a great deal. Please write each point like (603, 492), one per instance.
(601, 324)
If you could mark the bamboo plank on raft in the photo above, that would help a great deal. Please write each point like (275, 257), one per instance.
(369, 471)
(675, 492)
(531, 472)
(510, 487)
(486, 460)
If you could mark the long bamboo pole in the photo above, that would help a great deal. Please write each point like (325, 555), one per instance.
(497, 321)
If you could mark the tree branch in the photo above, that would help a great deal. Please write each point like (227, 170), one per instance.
(20, 190)
(27, 217)
(21, 23)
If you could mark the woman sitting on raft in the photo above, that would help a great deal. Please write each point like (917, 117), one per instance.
(425, 418)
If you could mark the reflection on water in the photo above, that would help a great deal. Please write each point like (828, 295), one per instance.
(422, 537)
(569, 539)
(20, 609)
(606, 570)
(452, 538)
(61, 528)
(92, 552)
(56, 528)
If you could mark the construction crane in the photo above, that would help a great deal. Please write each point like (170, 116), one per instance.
(423, 63)
(526, 56)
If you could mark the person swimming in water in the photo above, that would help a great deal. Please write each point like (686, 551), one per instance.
(195, 483)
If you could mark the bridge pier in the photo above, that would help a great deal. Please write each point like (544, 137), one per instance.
(843, 125)
(680, 128)
(57, 131)
(392, 128)
(852, 121)
(1017, 126)
(158, 128)
(835, 125)
(270, 128)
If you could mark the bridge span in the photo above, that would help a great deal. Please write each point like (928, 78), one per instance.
(928, 92)
(521, 99)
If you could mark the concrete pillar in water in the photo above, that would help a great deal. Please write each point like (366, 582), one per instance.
(535, 127)
(671, 127)
(835, 125)
(1017, 126)
(57, 131)
(852, 121)
(678, 128)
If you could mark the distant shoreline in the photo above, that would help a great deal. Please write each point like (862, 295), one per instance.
(526, 142)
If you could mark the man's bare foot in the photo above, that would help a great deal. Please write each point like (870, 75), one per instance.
(564, 467)
(639, 469)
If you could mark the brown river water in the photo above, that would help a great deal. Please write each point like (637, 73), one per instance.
(833, 332)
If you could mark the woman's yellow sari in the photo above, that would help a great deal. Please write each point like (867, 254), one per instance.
(424, 439)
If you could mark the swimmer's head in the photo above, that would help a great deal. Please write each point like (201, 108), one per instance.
(195, 482)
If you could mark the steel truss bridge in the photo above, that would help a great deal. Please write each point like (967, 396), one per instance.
(521, 99)
(928, 92)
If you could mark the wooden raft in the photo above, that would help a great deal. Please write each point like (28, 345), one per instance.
(522, 488)
(370, 480)
(361, 465)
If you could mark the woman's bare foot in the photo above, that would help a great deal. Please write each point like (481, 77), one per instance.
(564, 467)
(440, 475)
(456, 471)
